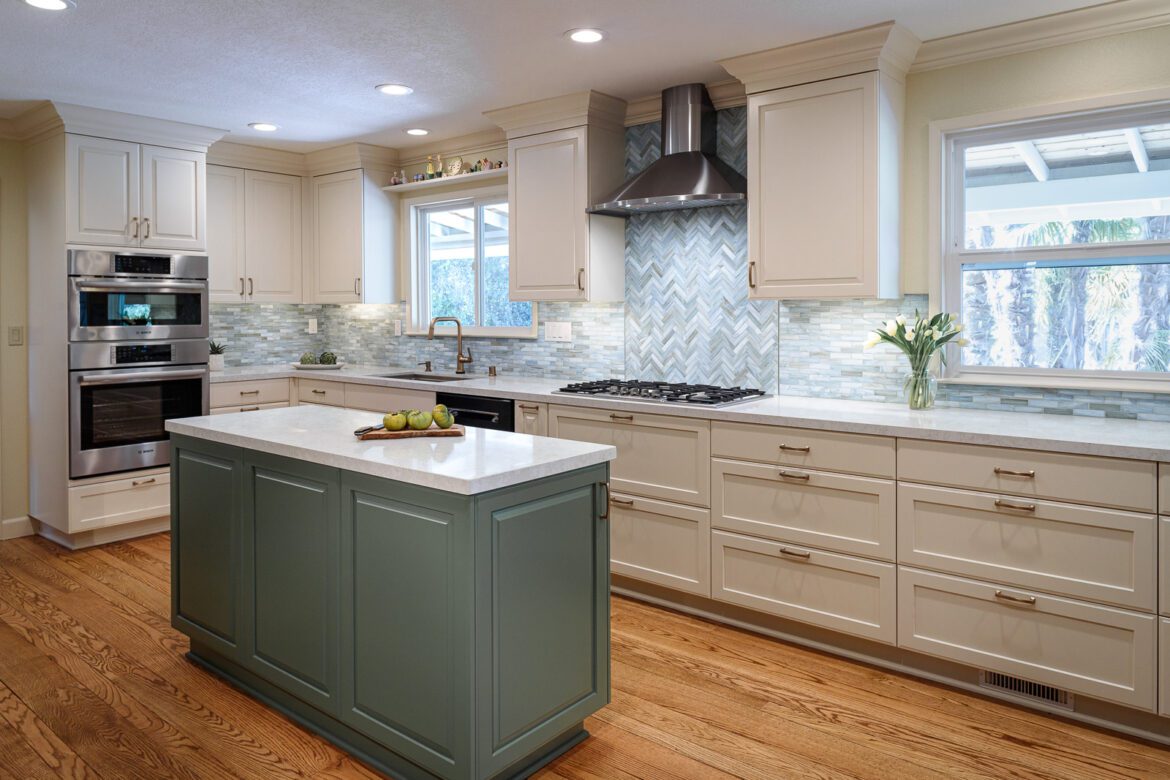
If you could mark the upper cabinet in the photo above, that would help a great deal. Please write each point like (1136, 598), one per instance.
(824, 158)
(254, 236)
(127, 194)
(564, 154)
(353, 236)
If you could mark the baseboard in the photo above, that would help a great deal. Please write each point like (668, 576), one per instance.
(98, 536)
(15, 527)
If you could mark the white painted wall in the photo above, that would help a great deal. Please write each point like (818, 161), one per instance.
(13, 360)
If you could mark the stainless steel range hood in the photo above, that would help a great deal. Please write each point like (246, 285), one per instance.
(688, 175)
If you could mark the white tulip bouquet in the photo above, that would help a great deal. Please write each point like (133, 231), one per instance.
(920, 340)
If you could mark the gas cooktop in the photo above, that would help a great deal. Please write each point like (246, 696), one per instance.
(664, 392)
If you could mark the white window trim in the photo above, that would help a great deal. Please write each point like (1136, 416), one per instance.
(415, 284)
(946, 253)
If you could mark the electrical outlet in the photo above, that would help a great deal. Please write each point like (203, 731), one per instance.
(397, 327)
(558, 331)
(15, 336)
(312, 325)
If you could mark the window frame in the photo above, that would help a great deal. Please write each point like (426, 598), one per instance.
(417, 283)
(948, 141)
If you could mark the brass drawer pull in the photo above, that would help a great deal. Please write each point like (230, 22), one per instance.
(804, 555)
(626, 417)
(580, 281)
(999, 594)
(621, 501)
(250, 409)
(145, 228)
(530, 407)
(249, 392)
(1029, 474)
(141, 482)
(752, 275)
(241, 285)
(794, 475)
(608, 500)
(134, 222)
(318, 392)
(789, 448)
(1001, 504)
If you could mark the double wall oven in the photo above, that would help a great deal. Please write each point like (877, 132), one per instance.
(138, 351)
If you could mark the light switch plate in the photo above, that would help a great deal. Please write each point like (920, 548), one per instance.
(558, 331)
(312, 325)
(15, 336)
(397, 327)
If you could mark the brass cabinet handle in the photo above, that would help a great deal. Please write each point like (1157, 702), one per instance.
(787, 448)
(249, 286)
(357, 286)
(608, 499)
(241, 285)
(318, 392)
(622, 501)
(626, 417)
(999, 594)
(1029, 474)
(250, 409)
(249, 392)
(141, 482)
(752, 274)
(580, 282)
(804, 555)
(134, 223)
(530, 407)
(1001, 504)
(145, 228)
(794, 475)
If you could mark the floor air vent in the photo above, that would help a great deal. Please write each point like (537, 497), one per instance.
(1026, 689)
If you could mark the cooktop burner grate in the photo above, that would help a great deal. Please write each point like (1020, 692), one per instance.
(664, 392)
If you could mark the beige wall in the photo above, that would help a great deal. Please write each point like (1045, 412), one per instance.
(1104, 66)
(13, 311)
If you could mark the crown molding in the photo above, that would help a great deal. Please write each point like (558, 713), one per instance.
(592, 108)
(347, 157)
(724, 94)
(473, 143)
(98, 122)
(1043, 32)
(256, 158)
(887, 47)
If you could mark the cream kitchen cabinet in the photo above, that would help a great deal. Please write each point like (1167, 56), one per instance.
(254, 236)
(564, 154)
(353, 257)
(120, 193)
(661, 542)
(531, 418)
(372, 398)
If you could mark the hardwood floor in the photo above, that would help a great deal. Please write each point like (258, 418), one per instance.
(93, 684)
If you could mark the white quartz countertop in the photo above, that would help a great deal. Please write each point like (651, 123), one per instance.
(1056, 433)
(480, 461)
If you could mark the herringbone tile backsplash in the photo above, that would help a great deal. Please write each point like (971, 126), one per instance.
(686, 318)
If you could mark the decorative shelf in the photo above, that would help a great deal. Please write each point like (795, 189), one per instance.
(446, 181)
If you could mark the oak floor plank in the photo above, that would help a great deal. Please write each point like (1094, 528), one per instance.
(30, 749)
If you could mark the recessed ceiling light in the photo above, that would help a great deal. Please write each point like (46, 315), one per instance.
(263, 127)
(52, 5)
(585, 35)
(394, 89)
(417, 131)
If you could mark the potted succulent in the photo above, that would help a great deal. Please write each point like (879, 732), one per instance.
(215, 360)
(920, 340)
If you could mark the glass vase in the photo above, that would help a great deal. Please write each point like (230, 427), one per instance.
(921, 386)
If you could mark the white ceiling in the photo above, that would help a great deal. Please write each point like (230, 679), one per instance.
(310, 66)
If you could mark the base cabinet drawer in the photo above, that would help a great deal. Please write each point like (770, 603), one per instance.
(1164, 488)
(1098, 651)
(249, 408)
(1164, 666)
(387, 399)
(1164, 565)
(1084, 552)
(1079, 479)
(804, 448)
(103, 504)
(531, 418)
(251, 393)
(315, 391)
(658, 456)
(838, 592)
(838, 512)
(660, 542)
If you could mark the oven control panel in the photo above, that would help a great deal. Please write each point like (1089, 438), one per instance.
(133, 354)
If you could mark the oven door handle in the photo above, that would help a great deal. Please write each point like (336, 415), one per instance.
(456, 411)
(159, 286)
(127, 377)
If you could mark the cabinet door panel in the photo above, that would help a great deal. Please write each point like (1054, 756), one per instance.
(548, 239)
(101, 198)
(174, 193)
(291, 530)
(273, 237)
(532, 418)
(664, 543)
(205, 575)
(338, 258)
(225, 234)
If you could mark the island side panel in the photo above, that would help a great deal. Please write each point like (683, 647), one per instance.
(407, 595)
(542, 615)
(206, 577)
(291, 553)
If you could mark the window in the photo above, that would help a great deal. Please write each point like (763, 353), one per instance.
(1057, 247)
(460, 259)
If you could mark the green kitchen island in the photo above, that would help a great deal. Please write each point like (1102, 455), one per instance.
(437, 607)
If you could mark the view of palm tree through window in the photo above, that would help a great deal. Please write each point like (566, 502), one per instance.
(1061, 265)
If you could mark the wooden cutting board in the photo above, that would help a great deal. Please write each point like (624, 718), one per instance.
(454, 430)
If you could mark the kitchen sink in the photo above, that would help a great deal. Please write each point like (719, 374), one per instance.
(425, 377)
